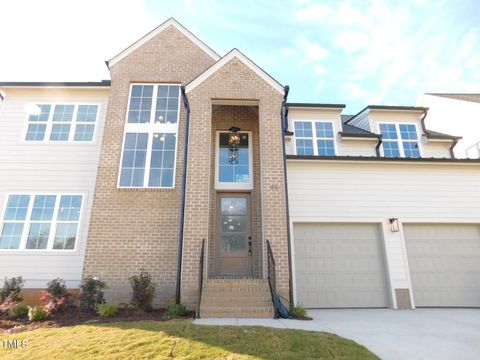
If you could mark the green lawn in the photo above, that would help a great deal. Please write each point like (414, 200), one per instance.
(179, 339)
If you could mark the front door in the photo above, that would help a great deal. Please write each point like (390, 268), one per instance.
(233, 235)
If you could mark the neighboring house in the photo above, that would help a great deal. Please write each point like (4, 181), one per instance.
(455, 114)
(194, 152)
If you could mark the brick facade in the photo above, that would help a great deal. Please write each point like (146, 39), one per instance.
(132, 229)
(235, 81)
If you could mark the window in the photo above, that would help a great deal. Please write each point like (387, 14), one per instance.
(40, 222)
(150, 141)
(400, 140)
(61, 122)
(234, 174)
(314, 138)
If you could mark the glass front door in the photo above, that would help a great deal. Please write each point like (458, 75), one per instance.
(233, 235)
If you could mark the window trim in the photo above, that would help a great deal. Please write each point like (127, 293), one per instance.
(54, 222)
(50, 123)
(314, 136)
(234, 185)
(150, 128)
(399, 140)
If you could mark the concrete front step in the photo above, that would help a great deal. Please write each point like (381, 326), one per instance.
(236, 312)
(239, 298)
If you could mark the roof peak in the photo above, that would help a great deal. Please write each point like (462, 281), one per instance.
(166, 24)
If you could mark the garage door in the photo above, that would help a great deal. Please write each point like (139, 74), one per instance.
(339, 265)
(444, 262)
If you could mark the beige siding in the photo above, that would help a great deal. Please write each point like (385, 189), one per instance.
(47, 167)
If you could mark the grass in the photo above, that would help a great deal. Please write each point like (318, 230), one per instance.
(179, 339)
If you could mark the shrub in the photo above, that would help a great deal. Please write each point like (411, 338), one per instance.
(298, 312)
(9, 303)
(176, 310)
(12, 288)
(107, 310)
(143, 291)
(19, 311)
(36, 313)
(56, 298)
(91, 293)
(57, 287)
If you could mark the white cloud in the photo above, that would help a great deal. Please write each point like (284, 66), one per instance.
(352, 41)
(312, 13)
(319, 69)
(312, 51)
(287, 52)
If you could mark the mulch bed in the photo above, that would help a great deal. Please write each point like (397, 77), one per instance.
(72, 318)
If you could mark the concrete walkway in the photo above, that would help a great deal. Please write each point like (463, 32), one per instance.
(391, 334)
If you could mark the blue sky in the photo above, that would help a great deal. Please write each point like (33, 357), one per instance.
(353, 52)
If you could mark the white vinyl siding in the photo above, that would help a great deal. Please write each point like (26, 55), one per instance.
(373, 191)
(47, 167)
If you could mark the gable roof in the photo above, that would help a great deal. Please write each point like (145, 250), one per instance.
(386, 107)
(235, 53)
(465, 97)
(158, 30)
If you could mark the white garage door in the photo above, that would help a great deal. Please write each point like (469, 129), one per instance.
(444, 262)
(339, 265)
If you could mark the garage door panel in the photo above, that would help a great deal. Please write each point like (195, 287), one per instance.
(444, 261)
(339, 265)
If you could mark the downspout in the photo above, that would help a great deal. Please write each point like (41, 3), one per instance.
(455, 142)
(284, 120)
(379, 143)
(422, 121)
(182, 207)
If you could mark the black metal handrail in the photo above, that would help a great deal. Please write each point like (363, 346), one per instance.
(200, 278)
(272, 277)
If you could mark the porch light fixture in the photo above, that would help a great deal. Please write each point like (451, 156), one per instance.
(393, 224)
(233, 141)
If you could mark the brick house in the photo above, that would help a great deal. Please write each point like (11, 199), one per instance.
(195, 168)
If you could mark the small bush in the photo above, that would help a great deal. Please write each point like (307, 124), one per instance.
(19, 311)
(298, 312)
(107, 310)
(36, 313)
(12, 288)
(143, 291)
(57, 287)
(9, 303)
(91, 293)
(56, 298)
(176, 310)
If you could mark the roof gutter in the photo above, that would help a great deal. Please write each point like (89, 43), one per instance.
(428, 134)
(284, 121)
(182, 207)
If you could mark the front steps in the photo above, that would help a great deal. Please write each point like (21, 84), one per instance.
(236, 298)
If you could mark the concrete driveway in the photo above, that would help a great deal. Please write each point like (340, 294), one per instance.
(392, 334)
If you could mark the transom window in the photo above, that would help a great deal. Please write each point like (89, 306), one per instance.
(234, 164)
(400, 140)
(150, 141)
(40, 222)
(314, 138)
(61, 122)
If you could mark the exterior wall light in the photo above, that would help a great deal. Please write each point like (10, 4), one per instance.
(394, 225)
(233, 141)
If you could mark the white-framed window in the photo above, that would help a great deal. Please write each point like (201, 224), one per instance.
(400, 140)
(314, 138)
(61, 122)
(233, 175)
(150, 138)
(41, 221)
